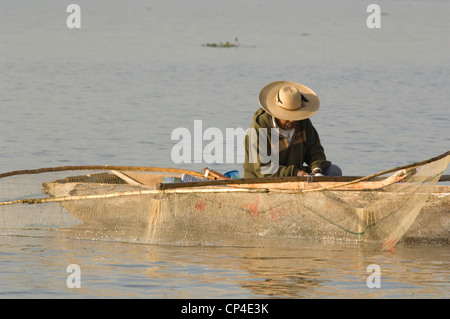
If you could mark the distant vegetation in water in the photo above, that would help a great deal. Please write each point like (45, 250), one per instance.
(222, 45)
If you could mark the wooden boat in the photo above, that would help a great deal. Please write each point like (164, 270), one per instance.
(380, 211)
(374, 209)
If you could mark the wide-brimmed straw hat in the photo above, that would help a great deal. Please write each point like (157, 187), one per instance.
(289, 101)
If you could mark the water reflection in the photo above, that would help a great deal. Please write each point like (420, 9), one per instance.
(263, 268)
(129, 262)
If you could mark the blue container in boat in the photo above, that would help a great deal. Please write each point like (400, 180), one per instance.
(232, 174)
(186, 178)
(171, 179)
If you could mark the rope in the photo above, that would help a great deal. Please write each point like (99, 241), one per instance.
(102, 167)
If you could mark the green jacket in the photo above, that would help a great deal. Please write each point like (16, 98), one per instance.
(305, 147)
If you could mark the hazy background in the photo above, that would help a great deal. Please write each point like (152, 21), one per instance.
(113, 91)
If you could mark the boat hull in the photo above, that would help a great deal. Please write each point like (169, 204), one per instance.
(260, 214)
(432, 225)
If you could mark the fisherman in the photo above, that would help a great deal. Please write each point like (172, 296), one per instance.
(287, 107)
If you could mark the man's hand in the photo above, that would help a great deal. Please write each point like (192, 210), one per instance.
(302, 173)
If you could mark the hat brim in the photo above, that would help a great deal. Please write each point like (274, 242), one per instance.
(267, 99)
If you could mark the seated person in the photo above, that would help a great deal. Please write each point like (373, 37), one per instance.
(287, 106)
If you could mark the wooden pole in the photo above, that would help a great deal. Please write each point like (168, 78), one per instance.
(104, 168)
(130, 193)
(346, 180)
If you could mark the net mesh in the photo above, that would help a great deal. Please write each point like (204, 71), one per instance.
(104, 205)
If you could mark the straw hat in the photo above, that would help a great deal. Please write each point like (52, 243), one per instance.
(289, 101)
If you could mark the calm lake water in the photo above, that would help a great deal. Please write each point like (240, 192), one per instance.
(113, 91)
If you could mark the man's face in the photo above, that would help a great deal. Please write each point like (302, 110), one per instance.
(286, 125)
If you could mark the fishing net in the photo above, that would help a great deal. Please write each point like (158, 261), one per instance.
(152, 205)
